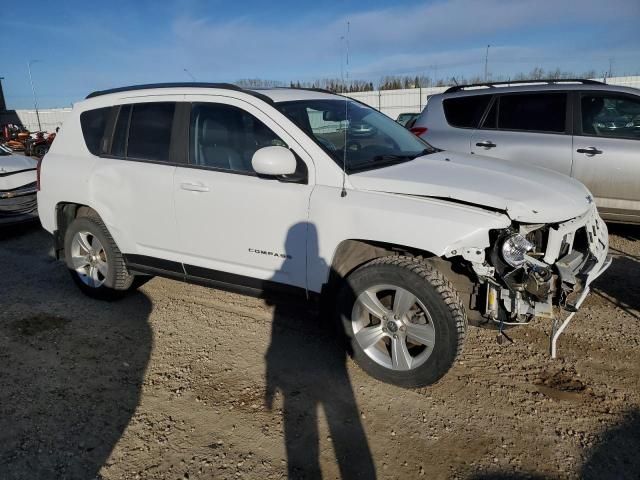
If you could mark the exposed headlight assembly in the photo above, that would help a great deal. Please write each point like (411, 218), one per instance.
(514, 248)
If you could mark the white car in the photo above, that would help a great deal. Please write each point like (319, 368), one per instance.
(17, 188)
(262, 190)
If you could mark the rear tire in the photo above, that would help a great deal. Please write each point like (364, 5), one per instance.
(404, 320)
(94, 260)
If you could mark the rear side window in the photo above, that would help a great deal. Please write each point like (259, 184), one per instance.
(465, 112)
(121, 132)
(93, 123)
(150, 131)
(538, 112)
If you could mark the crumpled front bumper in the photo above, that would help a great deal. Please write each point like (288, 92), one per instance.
(584, 242)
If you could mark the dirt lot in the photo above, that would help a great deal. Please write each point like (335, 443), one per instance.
(171, 381)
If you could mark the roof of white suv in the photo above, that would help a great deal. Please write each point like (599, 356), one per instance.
(268, 94)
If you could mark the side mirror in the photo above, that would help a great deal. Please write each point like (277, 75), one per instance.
(274, 161)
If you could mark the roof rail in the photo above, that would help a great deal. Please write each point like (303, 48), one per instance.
(226, 86)
(458, 88)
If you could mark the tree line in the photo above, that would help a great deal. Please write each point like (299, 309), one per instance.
(397, 82)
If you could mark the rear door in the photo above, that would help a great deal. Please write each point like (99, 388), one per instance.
(527, 128)
(132, 184)
(606, 151)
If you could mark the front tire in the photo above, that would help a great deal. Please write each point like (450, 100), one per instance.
(404, 320)
(94, 260)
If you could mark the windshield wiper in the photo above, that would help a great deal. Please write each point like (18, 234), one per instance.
(390, 156)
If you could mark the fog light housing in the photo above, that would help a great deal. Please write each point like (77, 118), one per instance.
(514, 248)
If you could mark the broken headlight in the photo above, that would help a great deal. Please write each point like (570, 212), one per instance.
(514, 248)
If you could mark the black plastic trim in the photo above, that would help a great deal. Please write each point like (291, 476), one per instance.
(211, 278)
(148, 86)
(135, 262)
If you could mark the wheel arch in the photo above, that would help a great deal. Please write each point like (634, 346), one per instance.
(351, 254)
(67, 212)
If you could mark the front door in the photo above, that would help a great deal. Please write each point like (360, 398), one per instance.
(606, 152)
(234, 226)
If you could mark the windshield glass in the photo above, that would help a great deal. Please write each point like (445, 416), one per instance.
(355, 134)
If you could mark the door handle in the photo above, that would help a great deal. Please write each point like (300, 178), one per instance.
(589, 151)
(194, 187)
(486, 144)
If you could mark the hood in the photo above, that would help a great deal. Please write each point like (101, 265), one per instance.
(527, 194)
(16, 171)
(15, 163)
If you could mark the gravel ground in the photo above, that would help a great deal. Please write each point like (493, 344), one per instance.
(171, 383)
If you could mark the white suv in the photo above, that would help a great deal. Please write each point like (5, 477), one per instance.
(270, 190)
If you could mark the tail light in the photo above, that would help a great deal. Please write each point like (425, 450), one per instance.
(38, 173)
(417, 131)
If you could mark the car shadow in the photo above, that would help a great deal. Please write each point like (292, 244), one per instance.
(629, 232)
(306, 365)
(71, 368)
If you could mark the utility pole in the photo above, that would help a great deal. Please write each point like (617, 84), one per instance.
(486, 65)
(35, 100)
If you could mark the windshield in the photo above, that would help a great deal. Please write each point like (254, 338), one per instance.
(355, 134)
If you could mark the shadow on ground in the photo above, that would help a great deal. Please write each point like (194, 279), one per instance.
(312, 375)
(613, 457)
(71, 368)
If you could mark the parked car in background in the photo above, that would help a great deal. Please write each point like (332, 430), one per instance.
(405, 119)
(248, 190)
(582, 128)
(17, 188)
(361, 129)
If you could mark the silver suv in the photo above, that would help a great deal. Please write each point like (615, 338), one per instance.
(582, 128)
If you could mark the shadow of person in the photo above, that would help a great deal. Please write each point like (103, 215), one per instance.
(615, 456)
(71, 368)
(306, 363)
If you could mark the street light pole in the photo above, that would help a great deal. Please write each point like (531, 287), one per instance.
(35, 101)
(190, 74)
(486, 65)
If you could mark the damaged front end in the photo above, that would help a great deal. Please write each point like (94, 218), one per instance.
(540, 270)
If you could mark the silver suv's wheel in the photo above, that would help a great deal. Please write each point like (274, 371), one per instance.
(404, 319)
(94, 260)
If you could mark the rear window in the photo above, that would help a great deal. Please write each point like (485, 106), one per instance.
(538, 112)
(93, 123)
(150, 131)
(465, 112)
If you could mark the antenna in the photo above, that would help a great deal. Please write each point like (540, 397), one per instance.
(343, 192)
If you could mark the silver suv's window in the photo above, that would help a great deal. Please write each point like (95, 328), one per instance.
(610, 116)
(465, 112)
(226, 137)
(533, 112)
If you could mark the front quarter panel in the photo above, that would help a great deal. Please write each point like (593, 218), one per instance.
(435, 226)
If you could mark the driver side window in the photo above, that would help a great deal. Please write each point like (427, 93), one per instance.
(225, 137)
